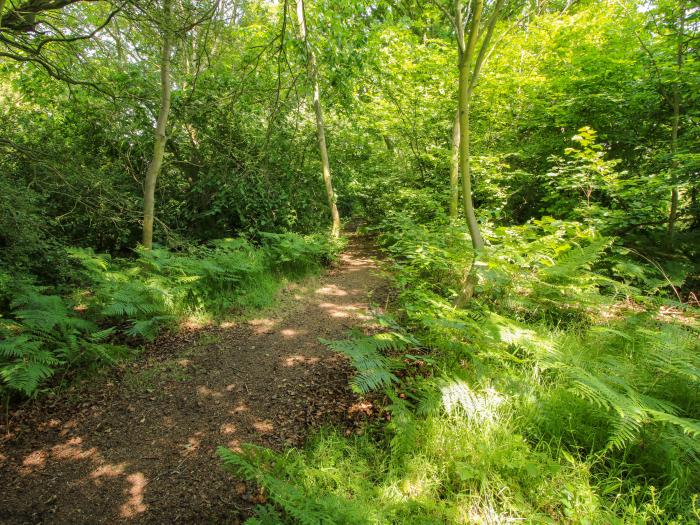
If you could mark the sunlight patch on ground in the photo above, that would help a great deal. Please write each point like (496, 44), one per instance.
(195, 322)
(291, 332)
(294, 360)
(107, 471)
(263, 325)
(344, 311)
(193, 443)
(227, 429)
(332, 290)
(72, 450)
(134, 505)
(235, 445)
(34, 461)
(240, 407)
(361, 407)
(205, 391)
(264, 427)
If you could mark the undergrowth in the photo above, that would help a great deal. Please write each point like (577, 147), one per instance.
(116, 303)
(560, 394)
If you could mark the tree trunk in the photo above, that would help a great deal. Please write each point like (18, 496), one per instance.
(675, 124)
(465, 93)
(160, 137)
(320, 126)
(454, 169)
(2, 8)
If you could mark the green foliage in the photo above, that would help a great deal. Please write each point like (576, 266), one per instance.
(44, 335)
(558, 395)
(374, 370)
(293, 254)
(136, 298)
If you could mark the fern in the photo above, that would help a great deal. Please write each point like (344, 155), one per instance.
(47, 335)
(570, 265)
(25, 364)
(374, 370)
(626, 389)
(256, 464)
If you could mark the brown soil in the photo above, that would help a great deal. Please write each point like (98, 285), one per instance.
(139, 445)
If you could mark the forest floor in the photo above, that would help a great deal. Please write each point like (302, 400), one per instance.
(138, 443)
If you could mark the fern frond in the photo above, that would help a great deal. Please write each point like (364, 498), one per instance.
(374, 370)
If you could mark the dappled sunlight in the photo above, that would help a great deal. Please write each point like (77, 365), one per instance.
(134, 505)
(240, 407)
(331, 290)
(107, 471)
(72, 450)
(511, 332)
(263, 325)
(265, 381)
(193, 443)
(361, 407)
(195, 323)
(235, 445)
(289, 333)
(295, 360)
(205, 391)
(340, 311)
(34, 461)
(228, 429)
(264, 427)
(479, 407)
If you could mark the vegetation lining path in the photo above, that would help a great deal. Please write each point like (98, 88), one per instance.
(140, 448)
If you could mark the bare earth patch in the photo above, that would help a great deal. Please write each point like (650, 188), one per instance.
(139, 447)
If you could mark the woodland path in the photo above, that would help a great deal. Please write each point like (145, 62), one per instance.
(138, 445)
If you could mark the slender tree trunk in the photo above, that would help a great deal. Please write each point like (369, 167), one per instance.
(675, 124)
(2, 8)
(454, 169)
(465, 93)
(320, 126)
(160, 137)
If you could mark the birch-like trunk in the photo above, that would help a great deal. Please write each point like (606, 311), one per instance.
(454, 169)
(320, 126)
(154, 167)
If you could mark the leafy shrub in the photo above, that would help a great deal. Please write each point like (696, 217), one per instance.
(291, 253)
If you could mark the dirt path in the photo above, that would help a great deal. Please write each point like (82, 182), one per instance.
(139, 447)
